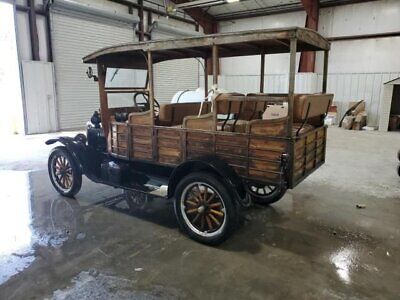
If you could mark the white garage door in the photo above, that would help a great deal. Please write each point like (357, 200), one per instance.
(74, 36)
(175, 75)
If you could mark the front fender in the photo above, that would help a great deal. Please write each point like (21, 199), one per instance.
(212, 164)
(75, 146)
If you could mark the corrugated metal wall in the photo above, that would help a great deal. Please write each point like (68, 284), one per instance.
(73, 37)
(175, 75)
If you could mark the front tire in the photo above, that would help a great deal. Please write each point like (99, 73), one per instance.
(64, 172)
(205, 209)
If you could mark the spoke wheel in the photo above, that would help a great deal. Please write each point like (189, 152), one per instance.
(265, 194)
(136, 201)
(64, 173)
(204, 208)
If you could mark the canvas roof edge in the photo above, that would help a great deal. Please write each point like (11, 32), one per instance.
(231, 44)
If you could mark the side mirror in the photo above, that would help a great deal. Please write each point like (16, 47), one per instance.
(89, 73)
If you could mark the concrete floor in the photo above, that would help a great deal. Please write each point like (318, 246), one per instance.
(313, 244)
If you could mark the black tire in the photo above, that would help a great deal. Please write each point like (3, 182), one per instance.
(213, 205)
(398, 155)
(137, 201)
(269, 196)
(68, 181)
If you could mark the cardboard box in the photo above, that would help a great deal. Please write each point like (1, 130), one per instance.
(348, 122)
(358, 109)
(275, 112)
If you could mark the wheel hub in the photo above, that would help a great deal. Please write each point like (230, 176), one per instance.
(203, 208)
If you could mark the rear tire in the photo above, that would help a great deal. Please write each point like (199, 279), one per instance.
(204, 208)
(64, 172)
(266, 194)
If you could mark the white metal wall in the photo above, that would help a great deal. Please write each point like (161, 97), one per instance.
(175, 75)
(73, 37)
(40, 98)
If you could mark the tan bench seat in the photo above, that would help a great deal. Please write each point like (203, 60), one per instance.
(172, 114)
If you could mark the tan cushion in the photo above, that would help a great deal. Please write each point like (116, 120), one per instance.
(239, 126)
(172, 114)
(203, 122)
(319, 104)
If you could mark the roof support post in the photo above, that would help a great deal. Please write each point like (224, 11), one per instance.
(215, 64)
(150, 84)
(292, 77)
(105, 116)
(307, 59)
(33, 30)
(325, 74)
(205, 79)
(262, 73)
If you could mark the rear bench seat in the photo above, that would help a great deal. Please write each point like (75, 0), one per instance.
(249, 108)
(172, 114)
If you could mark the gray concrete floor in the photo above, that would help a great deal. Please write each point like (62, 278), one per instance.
(313, 244)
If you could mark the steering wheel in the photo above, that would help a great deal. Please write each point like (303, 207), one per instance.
(145, 106)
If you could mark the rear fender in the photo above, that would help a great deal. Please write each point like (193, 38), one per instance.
(211, 164)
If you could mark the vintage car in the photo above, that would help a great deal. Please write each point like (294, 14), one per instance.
(210, 157)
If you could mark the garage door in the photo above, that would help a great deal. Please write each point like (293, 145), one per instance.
(173, 76)
(75, 35)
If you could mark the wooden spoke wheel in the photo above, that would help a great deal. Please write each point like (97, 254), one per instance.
(265, 194)
(65, 175)
(137, 201)
(204, 208)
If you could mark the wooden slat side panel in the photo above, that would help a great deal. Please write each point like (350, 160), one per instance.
(265, 176)
(119, 139)
(231, 149)
(141, 141)
(309, 153)
(199, 136)
(264, 165)
(268, 128)
(265, 154)
(265, 144)
(199, 144)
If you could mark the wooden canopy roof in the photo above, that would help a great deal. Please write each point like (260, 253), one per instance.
(241, 43)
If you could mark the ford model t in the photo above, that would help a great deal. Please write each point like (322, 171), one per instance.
(210, 156)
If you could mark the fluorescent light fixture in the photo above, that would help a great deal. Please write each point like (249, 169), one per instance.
(232, 1)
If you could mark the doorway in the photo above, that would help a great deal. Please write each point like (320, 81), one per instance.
(12, 117)
(394, 120)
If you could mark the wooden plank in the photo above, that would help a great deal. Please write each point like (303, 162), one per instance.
(169, 143)
(143, 141)
(234, 161)
(231, 149)
(142, 148)
(171, 134)
(166, 159)
(235, 139)
(263, 176)
(263, 144)
(265, 154)
(268, 128)
(199, 147)
(199, 136)
(174, 152)
(141, 130)
(143, 155)
(264, 165)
